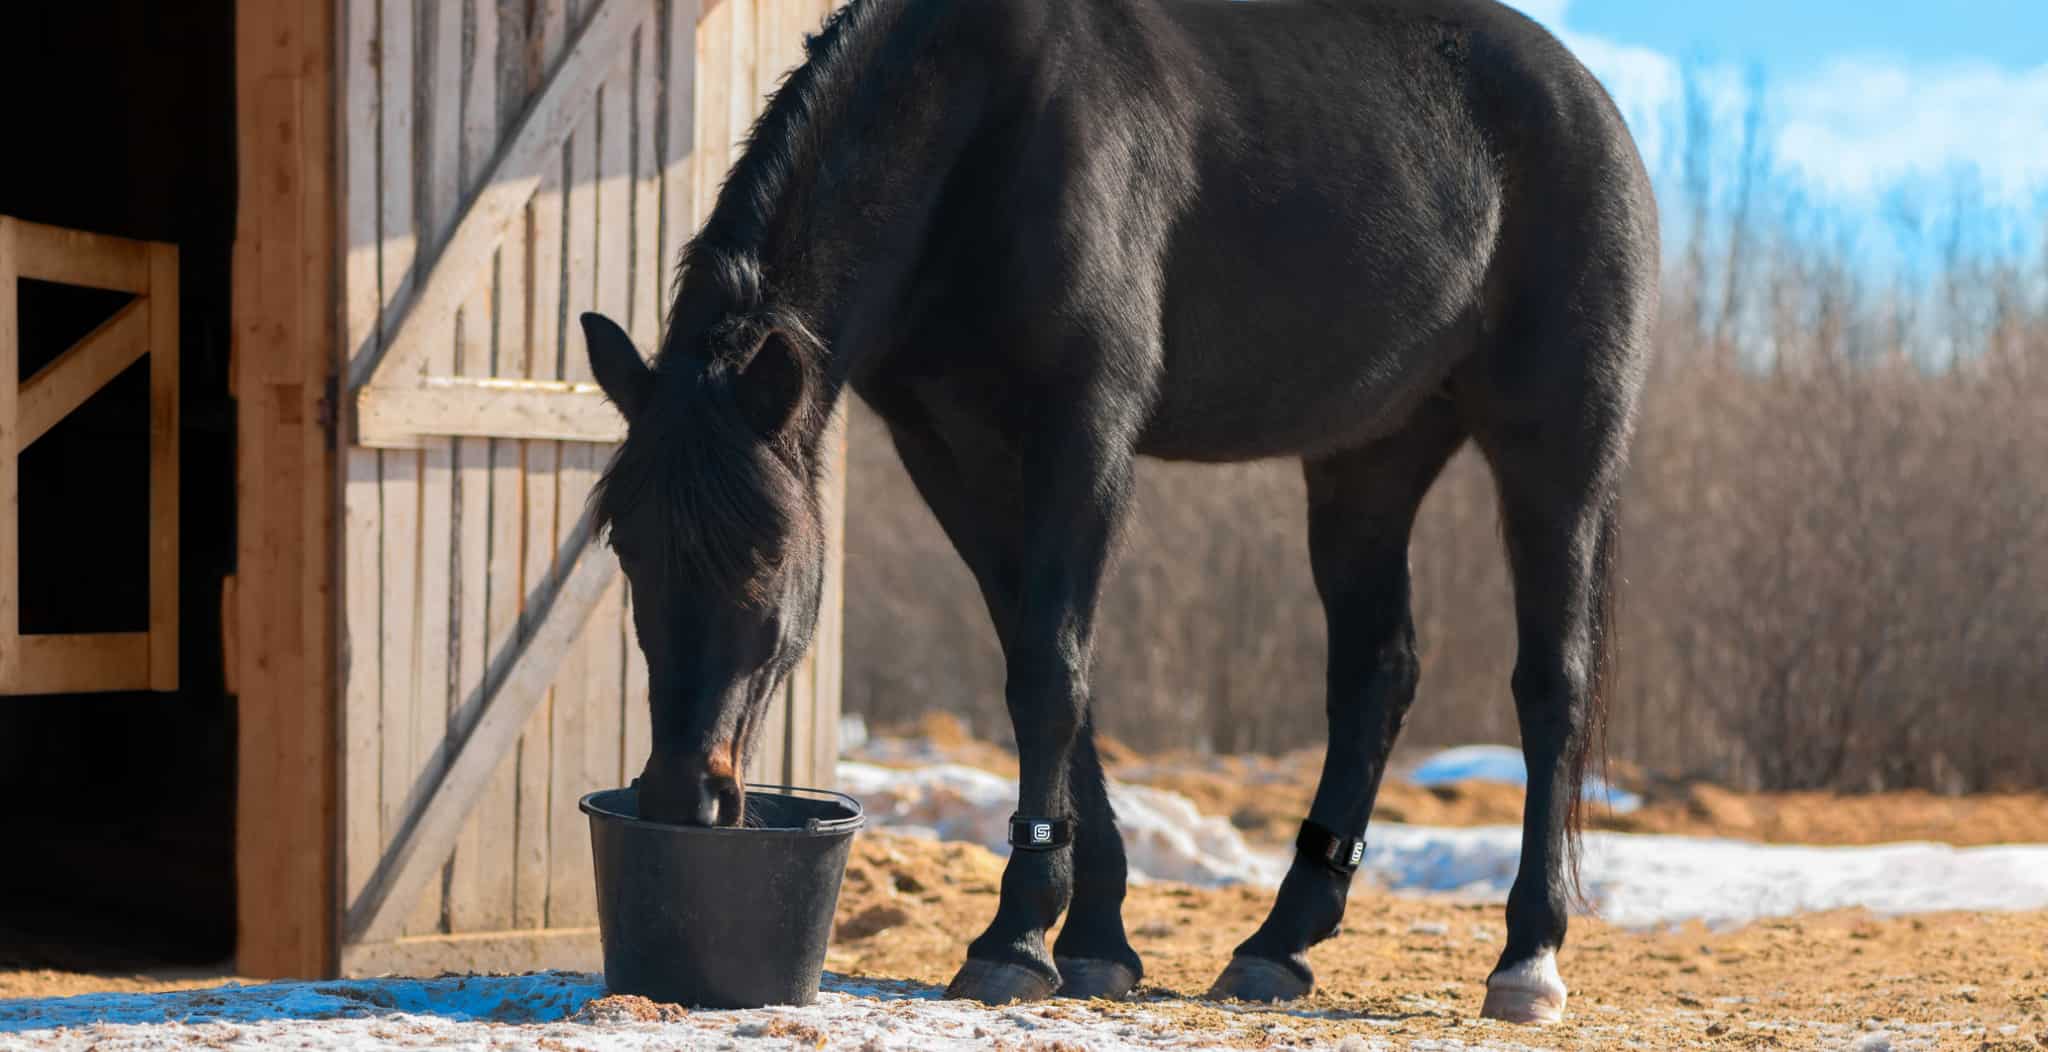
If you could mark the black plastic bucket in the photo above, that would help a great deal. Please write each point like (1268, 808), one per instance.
(720, 918)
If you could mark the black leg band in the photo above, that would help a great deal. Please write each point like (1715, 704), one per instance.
(1040, 834)
(1317, 844)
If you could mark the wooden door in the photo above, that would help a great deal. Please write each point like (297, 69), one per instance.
(505, 167)
(145, 326)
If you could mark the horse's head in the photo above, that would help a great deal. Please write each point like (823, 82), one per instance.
(713, 512)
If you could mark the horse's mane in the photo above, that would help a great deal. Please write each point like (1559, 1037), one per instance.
(784, 142)
(733, 506)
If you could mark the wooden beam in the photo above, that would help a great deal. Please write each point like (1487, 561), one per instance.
(534, 143)
(484, 953)
(75, 257)
(63, 385)
(79, 664)
(485, 407)
(519, 679)
(285, 258)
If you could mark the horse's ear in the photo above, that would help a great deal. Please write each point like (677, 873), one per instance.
(773, 384)
(619, 369)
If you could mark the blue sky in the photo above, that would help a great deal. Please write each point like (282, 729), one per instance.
(1863, 98)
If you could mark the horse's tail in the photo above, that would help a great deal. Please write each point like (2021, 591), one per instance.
(1588, 754)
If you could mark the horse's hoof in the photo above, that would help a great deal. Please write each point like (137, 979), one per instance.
(1083, 978)
(1529, 993)
(997, 983)
(1258, 979)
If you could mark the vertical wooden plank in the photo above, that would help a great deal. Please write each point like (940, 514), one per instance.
(714, 112)
(776, 42)
(441, 114)
(743, 96)
(813, 715)
(487, 476)
(678, 129)
(617, 234)
(832, 630)
(637, 734)
(571, 895)
(399, 483)
(646, 270)
(163, 467)
(780, 43)
(361, 492)
(398, 242)
(438, 106)
(544, 327)
(283, 331)
(644, 262)
(398, 589)
(828, 653)
(10, 523)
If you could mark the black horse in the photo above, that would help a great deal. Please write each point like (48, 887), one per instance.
(1041, 239)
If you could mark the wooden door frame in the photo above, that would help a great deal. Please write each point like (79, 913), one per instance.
(280, 611)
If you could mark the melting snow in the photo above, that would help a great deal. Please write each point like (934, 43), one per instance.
(546, 1011)
(1165, 838)
(1634, 880)
(1501, 763)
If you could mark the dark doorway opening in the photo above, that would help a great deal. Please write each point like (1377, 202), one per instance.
(117, 810)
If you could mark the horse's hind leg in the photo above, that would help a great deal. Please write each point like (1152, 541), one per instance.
(1362, 505)
(1555, 430)
(1557, 544)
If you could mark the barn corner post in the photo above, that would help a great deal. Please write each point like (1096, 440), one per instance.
(280, 621)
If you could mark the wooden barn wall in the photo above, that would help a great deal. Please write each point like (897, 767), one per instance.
(441, 545)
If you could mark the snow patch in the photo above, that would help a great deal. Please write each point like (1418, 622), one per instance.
(1165, 837)
(1638, 880)
(1501, 763)
(1634, 880)
(545, 1010)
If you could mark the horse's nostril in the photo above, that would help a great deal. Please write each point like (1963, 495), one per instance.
(730, 800)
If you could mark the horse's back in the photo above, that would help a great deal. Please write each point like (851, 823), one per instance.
(1343, 179)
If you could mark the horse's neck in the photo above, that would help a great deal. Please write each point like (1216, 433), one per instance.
(855, 245)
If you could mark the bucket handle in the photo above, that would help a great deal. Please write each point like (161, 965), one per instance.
(811, 825)
(821, 825)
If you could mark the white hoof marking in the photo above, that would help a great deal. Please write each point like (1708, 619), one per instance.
(1530, 992)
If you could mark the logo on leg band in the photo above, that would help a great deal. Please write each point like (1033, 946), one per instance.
(1342, 854)
(1040, 834)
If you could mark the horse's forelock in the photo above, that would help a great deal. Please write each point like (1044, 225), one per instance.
(728, 509)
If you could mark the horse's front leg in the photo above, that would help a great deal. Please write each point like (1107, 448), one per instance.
(1075, 487)
(1362, 505)
(1093, 953)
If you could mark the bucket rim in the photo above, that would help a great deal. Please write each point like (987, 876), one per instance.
(811, 827)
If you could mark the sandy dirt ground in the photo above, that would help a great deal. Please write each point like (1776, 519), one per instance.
(51, 982)
(1416, 969)
(1402, 973)
(1410, 972)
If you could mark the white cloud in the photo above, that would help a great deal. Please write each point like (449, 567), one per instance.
(1855, 127)
(1859, 126)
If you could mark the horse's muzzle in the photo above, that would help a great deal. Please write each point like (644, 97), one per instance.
(692, 792)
